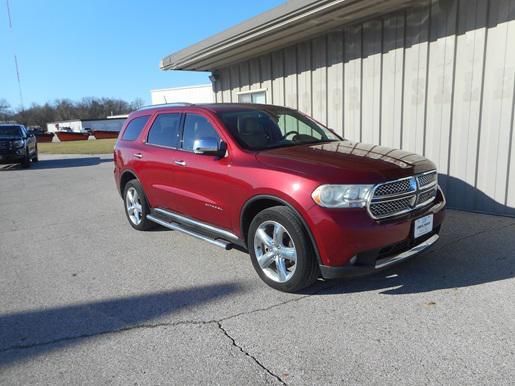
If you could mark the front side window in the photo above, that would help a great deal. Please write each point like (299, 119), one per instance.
(165, 130)
(271, 127)
(197, 127)
(133, 128)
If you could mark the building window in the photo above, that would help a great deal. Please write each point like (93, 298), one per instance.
(258, 96)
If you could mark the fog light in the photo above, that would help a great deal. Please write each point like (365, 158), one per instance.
(354, 259)
(20, 151)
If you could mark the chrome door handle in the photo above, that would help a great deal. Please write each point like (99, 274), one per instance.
(138, 155)
(180, 163)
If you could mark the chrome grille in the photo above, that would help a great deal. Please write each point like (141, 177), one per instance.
(394, 198)
(395, 187)
(426, 179)
(426, 196)
(386, 208)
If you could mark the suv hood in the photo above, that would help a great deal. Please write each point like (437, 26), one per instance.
(346, 162)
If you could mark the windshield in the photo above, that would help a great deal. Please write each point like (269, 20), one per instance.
(10, 131)
(273, 127)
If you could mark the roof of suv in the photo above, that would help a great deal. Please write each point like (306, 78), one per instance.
(213, 107)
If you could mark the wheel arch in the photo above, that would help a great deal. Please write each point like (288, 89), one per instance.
(260, 202)
(125, 177)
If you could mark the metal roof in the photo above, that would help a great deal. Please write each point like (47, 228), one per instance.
(286, 24)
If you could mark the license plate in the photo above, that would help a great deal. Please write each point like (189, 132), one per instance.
(423, 226)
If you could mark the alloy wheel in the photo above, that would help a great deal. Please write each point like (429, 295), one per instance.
(133, 205)
(275, 251)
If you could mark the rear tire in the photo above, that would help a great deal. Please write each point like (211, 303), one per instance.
(36, 156)
(281, 251)
(136, 206)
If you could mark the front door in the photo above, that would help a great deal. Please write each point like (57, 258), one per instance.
(200, 178)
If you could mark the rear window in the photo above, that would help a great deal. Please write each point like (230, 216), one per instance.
(134, 128)
(10, 131)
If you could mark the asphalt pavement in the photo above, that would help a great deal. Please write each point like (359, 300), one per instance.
(85, 299)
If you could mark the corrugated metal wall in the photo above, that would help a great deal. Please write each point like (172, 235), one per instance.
(437, 79)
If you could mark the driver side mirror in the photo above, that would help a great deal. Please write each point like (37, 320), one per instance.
(210, 146)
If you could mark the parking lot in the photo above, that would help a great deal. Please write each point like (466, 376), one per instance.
(86, 299)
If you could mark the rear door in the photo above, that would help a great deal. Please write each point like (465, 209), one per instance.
(159, 151)
(201, 179)
(129, 147)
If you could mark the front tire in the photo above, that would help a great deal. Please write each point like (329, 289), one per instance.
(136, 206)
(25, 163)
(280, 250)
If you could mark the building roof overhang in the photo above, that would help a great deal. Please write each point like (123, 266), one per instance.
(291, 22)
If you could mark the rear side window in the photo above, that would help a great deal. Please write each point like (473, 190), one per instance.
(134, 128)
(197, 127)
(165, 130)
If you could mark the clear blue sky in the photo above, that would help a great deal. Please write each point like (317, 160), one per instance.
(106, 48)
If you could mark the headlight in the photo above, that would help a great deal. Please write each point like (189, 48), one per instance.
(342, 196)
(19, 143)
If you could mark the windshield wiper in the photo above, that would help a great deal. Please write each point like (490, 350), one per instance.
(280, 145)
(290, 144)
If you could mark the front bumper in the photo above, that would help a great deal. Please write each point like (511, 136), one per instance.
(9, 158)
(351, 243)
(372, 261)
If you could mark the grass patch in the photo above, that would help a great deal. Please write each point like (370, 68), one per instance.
(98, 146)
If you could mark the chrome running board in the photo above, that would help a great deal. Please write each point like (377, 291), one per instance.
(387, 261)
(188, 221)
(178, 227)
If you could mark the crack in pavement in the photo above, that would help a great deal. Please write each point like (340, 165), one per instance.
(270, 372)
(218, 323)
(100, 333)
(148, 326)
(163, 324)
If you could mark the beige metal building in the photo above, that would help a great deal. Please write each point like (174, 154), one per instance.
(436, 77)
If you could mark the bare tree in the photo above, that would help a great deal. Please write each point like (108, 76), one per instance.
(5, 110)
(137, 103)
(65, 109)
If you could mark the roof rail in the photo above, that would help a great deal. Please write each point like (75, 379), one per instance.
(175, 104)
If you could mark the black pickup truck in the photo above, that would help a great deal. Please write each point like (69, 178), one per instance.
(17, 145)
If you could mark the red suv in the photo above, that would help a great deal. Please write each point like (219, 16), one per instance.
(303, 201)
